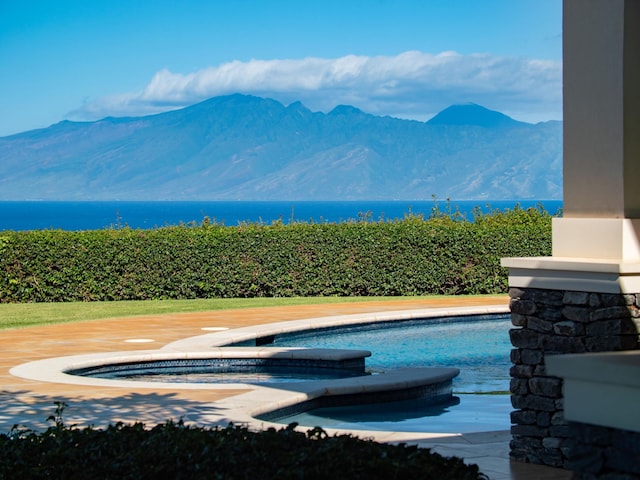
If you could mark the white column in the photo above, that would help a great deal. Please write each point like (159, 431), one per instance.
(596, 245)
(601, 94)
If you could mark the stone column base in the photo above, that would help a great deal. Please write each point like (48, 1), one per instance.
(555, 322)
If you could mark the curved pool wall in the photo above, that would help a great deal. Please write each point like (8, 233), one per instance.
(284, 365)
(432, 386)
(74, 369)
(259, 335)
(258, 399)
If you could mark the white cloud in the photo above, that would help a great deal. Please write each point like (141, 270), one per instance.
(409, 85)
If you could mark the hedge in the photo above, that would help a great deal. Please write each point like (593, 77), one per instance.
(442, 254)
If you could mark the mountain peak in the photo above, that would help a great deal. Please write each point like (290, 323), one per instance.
(232, 100)
(346, 110)
(298, 107)
(472, 114)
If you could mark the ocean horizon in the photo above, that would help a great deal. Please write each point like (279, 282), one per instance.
(97, 215)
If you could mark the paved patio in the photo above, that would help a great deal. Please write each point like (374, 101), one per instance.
(28, 402)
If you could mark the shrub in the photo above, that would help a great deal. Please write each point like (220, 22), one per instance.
(173, 450)
(444, 254)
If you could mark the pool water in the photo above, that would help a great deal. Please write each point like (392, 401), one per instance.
(479, 348)
(464, 414)
(255, 375)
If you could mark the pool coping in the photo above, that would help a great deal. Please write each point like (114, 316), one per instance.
(243, 334)
(57, 369)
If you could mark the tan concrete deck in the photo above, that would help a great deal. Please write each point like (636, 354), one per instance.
(28, 403)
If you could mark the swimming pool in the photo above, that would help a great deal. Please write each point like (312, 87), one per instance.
(478, 346)
(248, 344)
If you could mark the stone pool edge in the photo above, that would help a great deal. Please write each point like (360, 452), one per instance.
(243, 334)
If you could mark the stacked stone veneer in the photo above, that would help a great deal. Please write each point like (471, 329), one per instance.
(603, 453)
(550, 322)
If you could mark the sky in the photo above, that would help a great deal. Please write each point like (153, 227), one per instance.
(84, 60)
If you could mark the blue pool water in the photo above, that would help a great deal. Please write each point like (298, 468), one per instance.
(210, 371)
(479, 348)
(464, 414)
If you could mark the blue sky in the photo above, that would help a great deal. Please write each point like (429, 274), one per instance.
(87, 59)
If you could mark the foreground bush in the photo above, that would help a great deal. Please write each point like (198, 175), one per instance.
(175, 451)
(414, 256)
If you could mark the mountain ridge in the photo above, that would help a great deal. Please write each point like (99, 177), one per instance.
(243, 147)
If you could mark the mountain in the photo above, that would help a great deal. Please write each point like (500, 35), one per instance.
(241, 147)
(472, 114)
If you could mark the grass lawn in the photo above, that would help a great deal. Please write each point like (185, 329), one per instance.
(14, 315)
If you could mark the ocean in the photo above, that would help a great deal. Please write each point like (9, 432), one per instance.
(40, 215)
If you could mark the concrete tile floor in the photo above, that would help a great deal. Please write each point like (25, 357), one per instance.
(28, 403)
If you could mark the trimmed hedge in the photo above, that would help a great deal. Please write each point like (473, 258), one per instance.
(173, 450)
(444, 254)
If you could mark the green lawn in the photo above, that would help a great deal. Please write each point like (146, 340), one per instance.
(14, 315)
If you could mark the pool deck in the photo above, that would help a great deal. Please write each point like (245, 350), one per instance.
(28, 402)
